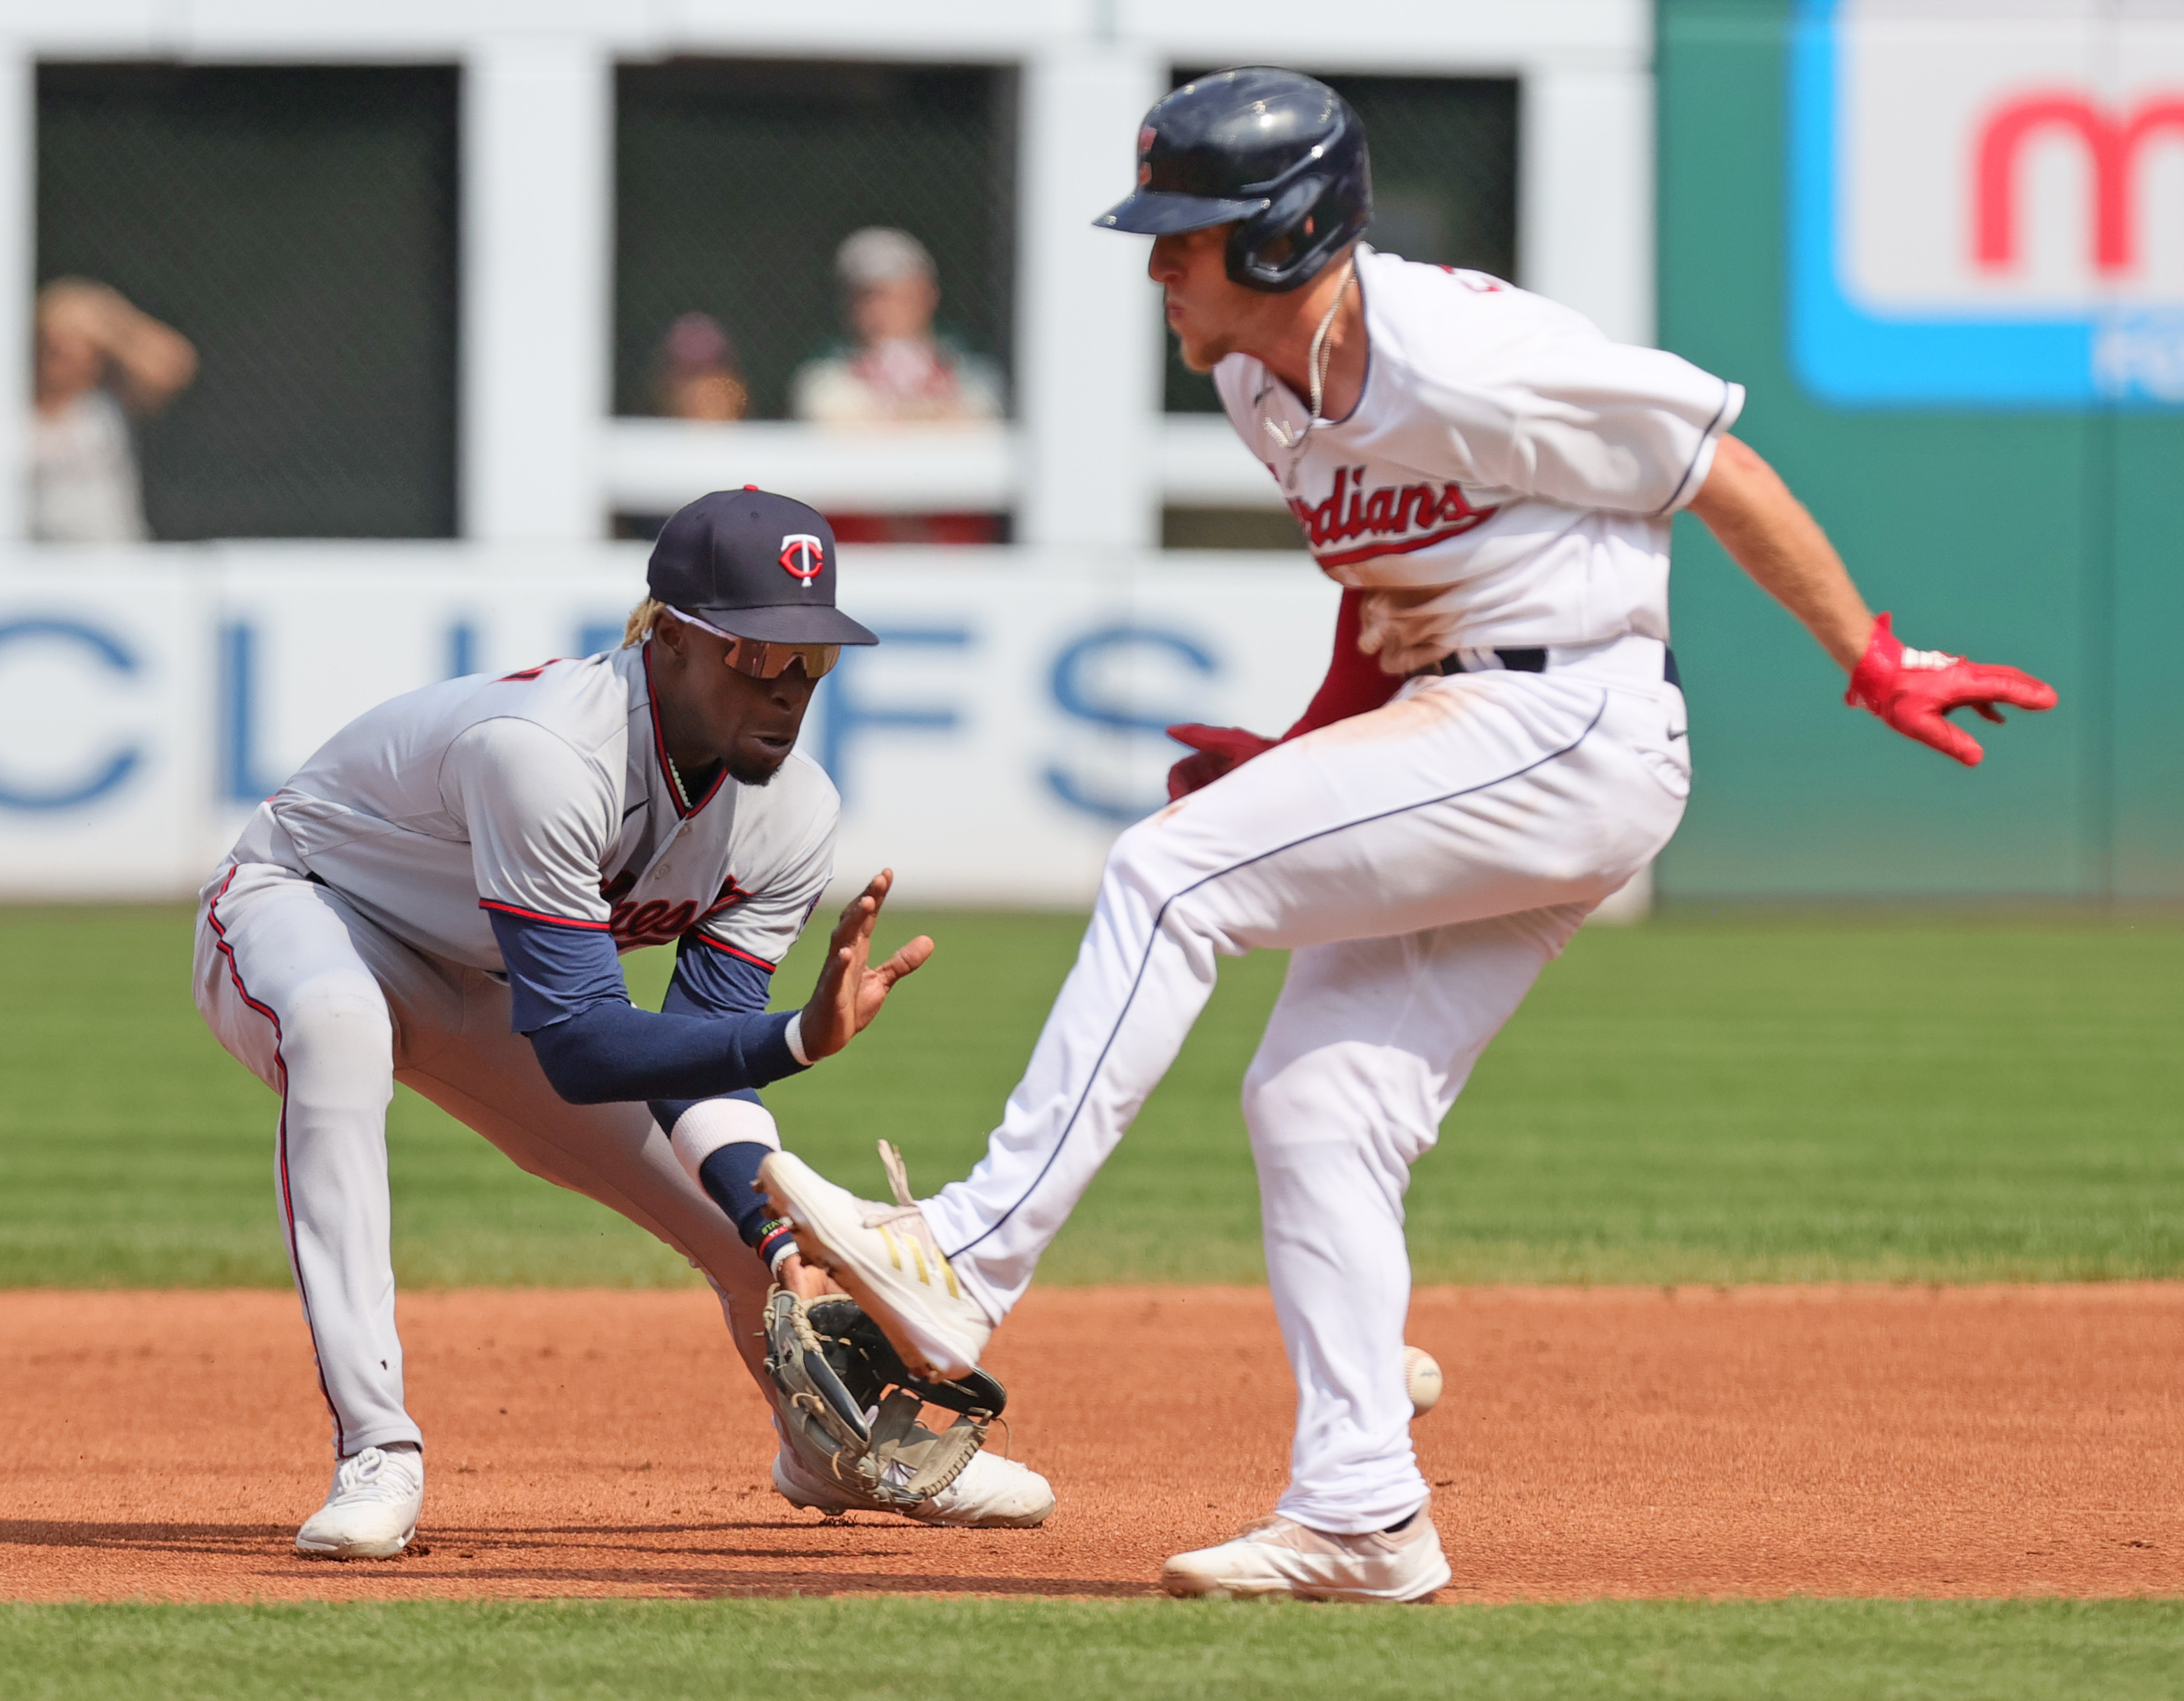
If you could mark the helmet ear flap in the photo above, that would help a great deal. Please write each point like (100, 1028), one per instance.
(1281, 245)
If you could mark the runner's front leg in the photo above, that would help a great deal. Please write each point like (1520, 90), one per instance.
(1441, 807)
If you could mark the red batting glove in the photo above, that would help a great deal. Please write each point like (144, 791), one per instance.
(1219, 750)
(1915, 689)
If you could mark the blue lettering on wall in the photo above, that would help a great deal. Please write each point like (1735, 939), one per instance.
(596, 635)
(462, 649)
(118, 766)
(240, 778)
(846, 717)
(1077, 694)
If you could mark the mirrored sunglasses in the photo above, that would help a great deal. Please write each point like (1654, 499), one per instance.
(771, 661)
(764, 660)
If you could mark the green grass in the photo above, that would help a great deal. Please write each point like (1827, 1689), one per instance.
(1695, 1099)
(1060, 1650)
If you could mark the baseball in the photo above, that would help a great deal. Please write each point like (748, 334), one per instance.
(1422, 1377)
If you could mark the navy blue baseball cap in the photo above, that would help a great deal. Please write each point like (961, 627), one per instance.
(753, 564)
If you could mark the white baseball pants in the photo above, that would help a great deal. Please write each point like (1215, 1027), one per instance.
(330, 1011)
(1423, 863)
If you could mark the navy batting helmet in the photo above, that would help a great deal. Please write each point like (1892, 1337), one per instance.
(1281, 155)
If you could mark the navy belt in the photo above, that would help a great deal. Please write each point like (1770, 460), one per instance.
(1532, 661)
(1516, 661)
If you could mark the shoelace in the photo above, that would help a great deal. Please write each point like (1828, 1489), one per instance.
(369, 1476)
(905, 1219)
(903, 1228)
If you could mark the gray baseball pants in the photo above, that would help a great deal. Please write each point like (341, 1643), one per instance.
(330, 1011)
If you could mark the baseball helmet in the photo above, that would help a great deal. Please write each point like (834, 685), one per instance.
(1280, 154)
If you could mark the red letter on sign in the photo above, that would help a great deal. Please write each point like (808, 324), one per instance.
(2112, 148)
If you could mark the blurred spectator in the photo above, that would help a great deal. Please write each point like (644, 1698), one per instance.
(898, 370)
(697, 377)
(98, 355)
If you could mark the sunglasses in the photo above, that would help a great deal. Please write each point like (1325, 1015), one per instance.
(763, 660)
(771, 661)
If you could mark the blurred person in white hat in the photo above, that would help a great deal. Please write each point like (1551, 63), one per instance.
(100, 359)
(896, 369)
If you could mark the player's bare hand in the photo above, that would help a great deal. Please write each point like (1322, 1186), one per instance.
(806, 1281)
(851, 988)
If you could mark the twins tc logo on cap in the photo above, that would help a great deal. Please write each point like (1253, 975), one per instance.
(802, 556)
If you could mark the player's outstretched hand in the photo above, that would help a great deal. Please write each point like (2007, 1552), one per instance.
(1219, 749)
(850, 990)
(1915, 689)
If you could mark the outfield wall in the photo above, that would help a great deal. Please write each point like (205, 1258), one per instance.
(1962, 340)
(1006, 727)
(990, 748)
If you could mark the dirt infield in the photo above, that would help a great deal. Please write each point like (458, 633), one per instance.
(1760, 1441)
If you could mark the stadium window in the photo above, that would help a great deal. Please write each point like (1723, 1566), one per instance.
(777, 222)
(296, 224)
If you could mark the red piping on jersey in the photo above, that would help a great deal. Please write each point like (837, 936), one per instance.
(281, 1149)
(1351, 558)
(660, 750)
(732, 950)
(541, 916)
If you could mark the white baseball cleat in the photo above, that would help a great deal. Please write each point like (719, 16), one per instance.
(992, 1493)
(372, 1510)
(1277, 1556)
(887, 1257)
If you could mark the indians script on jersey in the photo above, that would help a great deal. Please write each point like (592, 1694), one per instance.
(1397, 518)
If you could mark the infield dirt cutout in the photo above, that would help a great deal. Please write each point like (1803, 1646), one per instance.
(1756, 1442)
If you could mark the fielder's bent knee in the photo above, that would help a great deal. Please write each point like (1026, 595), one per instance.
(336, 1035)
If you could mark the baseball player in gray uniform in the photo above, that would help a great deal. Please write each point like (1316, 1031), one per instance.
(438, 897)
(1500, 744)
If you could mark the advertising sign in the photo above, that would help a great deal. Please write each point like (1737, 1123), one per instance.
(1987, 204)
(1006, 727)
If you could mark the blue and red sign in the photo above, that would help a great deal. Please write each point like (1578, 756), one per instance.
(1987, 207)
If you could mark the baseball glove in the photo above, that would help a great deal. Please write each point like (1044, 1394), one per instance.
(849, 1406)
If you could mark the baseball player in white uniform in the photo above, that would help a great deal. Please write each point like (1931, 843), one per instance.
(1499, 744)
(438, 897)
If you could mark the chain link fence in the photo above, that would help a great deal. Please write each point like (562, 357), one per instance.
(736, 181)
(298, 225)
(1444, 182)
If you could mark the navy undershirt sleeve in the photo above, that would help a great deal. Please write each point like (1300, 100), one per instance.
(597, 1048)
(711, 982)
(555, 969)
